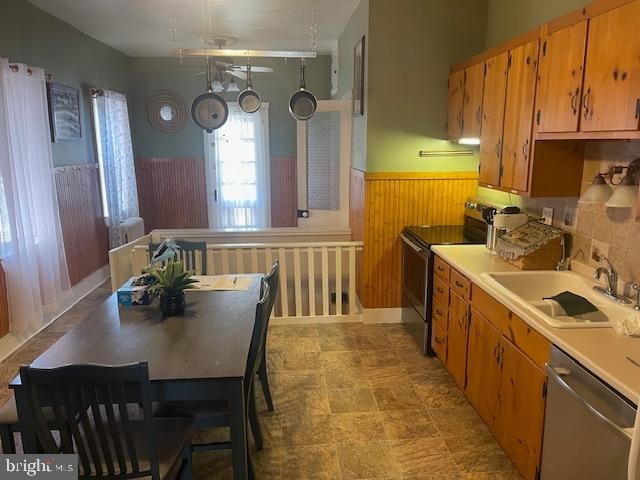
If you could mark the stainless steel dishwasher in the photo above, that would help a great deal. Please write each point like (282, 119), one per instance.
(584, 435)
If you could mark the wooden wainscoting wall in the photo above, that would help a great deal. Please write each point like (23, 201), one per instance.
(392, 201)
(86, 237)
(284, 192)
(172, 192)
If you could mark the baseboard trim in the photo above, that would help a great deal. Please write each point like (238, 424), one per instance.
(382, 315)
(307, 320)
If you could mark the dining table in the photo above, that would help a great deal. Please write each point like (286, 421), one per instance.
(200, 355)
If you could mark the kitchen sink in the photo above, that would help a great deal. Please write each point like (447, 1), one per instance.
(529, 288)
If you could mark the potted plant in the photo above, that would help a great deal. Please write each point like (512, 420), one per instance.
(171, 282)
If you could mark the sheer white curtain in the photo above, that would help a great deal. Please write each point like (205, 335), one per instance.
(115, 155)
(237, 166)
(31, 238)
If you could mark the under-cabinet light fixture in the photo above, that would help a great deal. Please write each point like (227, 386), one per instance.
(469, 141)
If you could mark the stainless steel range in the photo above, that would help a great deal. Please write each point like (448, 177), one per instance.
(417, 266)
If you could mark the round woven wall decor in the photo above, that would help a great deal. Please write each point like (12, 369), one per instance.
(167, 112)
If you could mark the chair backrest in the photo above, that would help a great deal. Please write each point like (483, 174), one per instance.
(83, 401)
(272, 279)
(188, 255)
(258, 336)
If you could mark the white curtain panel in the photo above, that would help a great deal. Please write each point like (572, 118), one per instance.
(237, 165)
(31, 243)
(117, 162)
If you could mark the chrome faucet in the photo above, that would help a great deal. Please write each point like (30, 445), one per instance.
(564, 261)
(612, 282)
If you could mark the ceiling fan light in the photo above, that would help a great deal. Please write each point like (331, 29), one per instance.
(217, 86)
(597, 193)
(233, 86)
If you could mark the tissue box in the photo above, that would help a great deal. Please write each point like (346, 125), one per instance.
(130, 294)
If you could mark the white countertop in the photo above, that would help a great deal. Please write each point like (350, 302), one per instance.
(601, 350)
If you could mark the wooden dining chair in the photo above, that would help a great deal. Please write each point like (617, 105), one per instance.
(8, 424)
(188, 255)
(208, 414)
(104, 414)
(272, 280)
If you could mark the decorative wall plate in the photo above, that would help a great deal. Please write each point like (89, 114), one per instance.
(167, 112)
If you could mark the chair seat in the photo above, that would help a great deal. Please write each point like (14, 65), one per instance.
(196, 409)
(170, 435)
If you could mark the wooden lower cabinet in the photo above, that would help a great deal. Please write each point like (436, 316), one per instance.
(508, 392)
(483, 371)
(522, 403)
(457, 335)
(498, 361)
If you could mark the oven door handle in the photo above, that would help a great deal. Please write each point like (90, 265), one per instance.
(556, 375)
(410, 243)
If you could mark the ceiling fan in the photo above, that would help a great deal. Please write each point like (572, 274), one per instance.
(226, 66)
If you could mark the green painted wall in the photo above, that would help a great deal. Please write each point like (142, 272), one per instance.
(412, 44)
(508, 18)
(357, 26)
(153, 74)
(29, 35)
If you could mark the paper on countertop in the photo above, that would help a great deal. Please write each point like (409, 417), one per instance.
(220, 282)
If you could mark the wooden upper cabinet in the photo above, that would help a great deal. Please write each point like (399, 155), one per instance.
(493, 102)
(457, 338)
(559, 93)
(518, 116)
(612, 77)
(472, 101)
(456, 96)
(522, 403)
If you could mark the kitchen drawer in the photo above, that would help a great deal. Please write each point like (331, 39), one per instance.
(527, 339)
(498, 315)
(460, 285)
(440, 314)
(440, 291)
(441, 268)
(439, 342)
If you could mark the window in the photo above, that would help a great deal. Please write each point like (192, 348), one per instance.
(118, 187)
(238, 171)
(98, 138)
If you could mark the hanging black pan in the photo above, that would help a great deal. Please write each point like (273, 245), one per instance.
(209, 111)
(303, 103)
(249, 100)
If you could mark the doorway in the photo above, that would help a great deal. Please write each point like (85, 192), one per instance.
(237, 169)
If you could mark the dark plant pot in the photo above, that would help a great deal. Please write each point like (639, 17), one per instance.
(172, 304)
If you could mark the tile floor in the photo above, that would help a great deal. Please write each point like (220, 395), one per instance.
(352, 401)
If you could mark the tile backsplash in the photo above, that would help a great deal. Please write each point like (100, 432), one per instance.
(611, 231)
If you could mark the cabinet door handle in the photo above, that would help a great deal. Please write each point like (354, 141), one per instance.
(478, 115)
(459, 285)
(439, 312)
(574, 101)
(585, 103)
(525, 149)
(496, 352)
(498, 148)
(439, 289)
